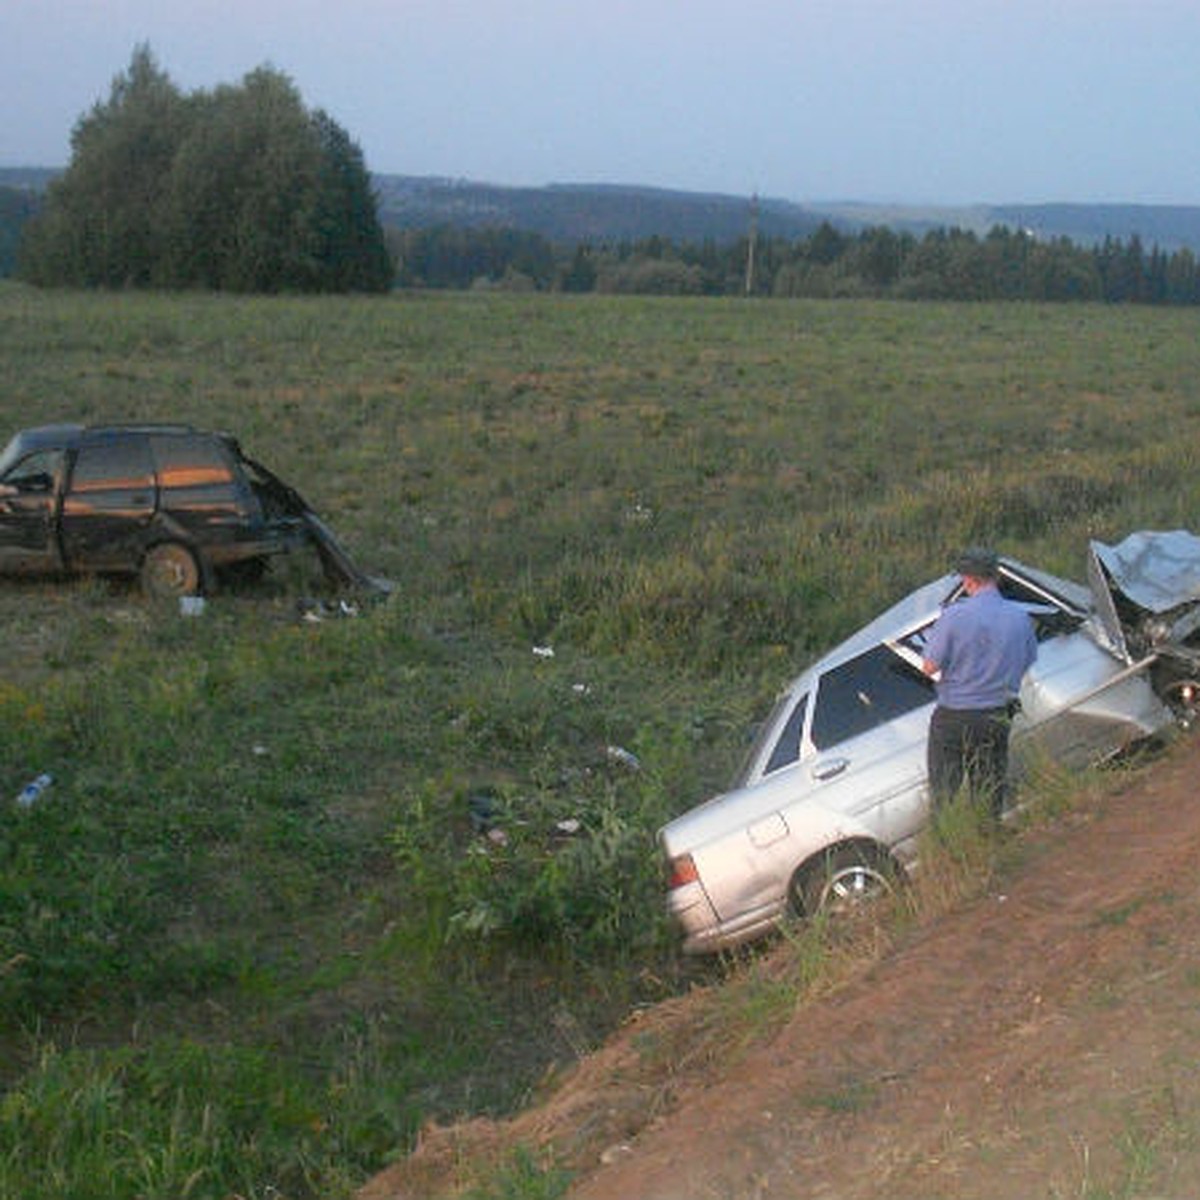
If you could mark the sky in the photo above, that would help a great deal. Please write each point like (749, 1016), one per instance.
(880, 101)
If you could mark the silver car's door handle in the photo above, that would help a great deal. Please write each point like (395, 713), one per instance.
(830, 767)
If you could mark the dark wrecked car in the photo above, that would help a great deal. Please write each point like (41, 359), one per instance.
(827, 809)
(168, 503)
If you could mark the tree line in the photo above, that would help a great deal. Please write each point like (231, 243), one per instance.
(244, 189)
(238, 189)
(17, 207)
(944, 264)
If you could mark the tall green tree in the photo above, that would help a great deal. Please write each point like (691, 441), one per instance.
(239, 189)
(244, 190)
(349, 237)
(102, 220)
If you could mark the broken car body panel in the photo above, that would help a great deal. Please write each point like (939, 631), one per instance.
(1154, 578)
(838, 771)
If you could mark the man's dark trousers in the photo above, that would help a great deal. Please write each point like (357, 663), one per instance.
(969, 747)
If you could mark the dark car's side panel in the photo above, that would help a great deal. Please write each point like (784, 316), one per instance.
(29, 499)
(77, 499)
(206, 498)
(109, 502)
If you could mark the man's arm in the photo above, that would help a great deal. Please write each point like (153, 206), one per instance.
(936, 648)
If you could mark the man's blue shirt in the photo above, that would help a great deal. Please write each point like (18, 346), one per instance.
(983, 645)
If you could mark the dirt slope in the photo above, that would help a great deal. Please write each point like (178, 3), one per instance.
(1041, 1042)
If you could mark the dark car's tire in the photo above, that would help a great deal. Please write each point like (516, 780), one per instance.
(170, 569)
(843, 881)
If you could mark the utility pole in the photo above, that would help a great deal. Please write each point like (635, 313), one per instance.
(751, 244)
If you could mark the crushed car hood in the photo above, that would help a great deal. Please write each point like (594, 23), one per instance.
(1150, 572)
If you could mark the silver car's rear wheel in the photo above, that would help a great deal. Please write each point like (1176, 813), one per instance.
(843, 881)
(170, 569)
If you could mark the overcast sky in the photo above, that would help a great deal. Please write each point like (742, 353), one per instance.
(919, 101)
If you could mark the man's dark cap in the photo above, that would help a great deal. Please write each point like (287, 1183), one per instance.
(978, 562)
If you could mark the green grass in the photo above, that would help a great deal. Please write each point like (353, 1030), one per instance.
(252, 913)
(523, 1178)
(1145, 1156)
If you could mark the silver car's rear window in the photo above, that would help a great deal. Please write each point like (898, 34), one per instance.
(766, 733)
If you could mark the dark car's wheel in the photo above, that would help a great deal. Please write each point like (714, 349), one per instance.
(170, 569)
(843, 881)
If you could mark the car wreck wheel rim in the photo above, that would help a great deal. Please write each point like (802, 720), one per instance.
(853, 887)
(169, 569)
(846, 883)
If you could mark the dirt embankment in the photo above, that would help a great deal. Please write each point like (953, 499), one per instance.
(1040, 1042)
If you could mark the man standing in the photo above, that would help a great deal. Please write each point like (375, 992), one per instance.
(977, 653)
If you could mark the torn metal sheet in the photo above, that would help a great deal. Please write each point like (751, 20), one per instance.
(1155, 572)
(340, 569)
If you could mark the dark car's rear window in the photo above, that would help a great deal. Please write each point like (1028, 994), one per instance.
(196, 475)
(188, 462)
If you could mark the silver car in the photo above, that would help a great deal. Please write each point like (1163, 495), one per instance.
(831, 799)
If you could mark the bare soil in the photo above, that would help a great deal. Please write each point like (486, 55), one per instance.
(1040, 1041)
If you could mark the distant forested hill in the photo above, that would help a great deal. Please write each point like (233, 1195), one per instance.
(610, 213)
(35, 179)
(587, 212)
(1171, 227)
(17, 205)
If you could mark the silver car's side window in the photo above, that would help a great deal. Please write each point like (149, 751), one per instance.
(870, 690)
(787, 746)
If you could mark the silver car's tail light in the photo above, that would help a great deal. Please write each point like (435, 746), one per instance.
(681, 871)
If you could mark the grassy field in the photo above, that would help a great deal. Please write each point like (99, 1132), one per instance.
(252, 936)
